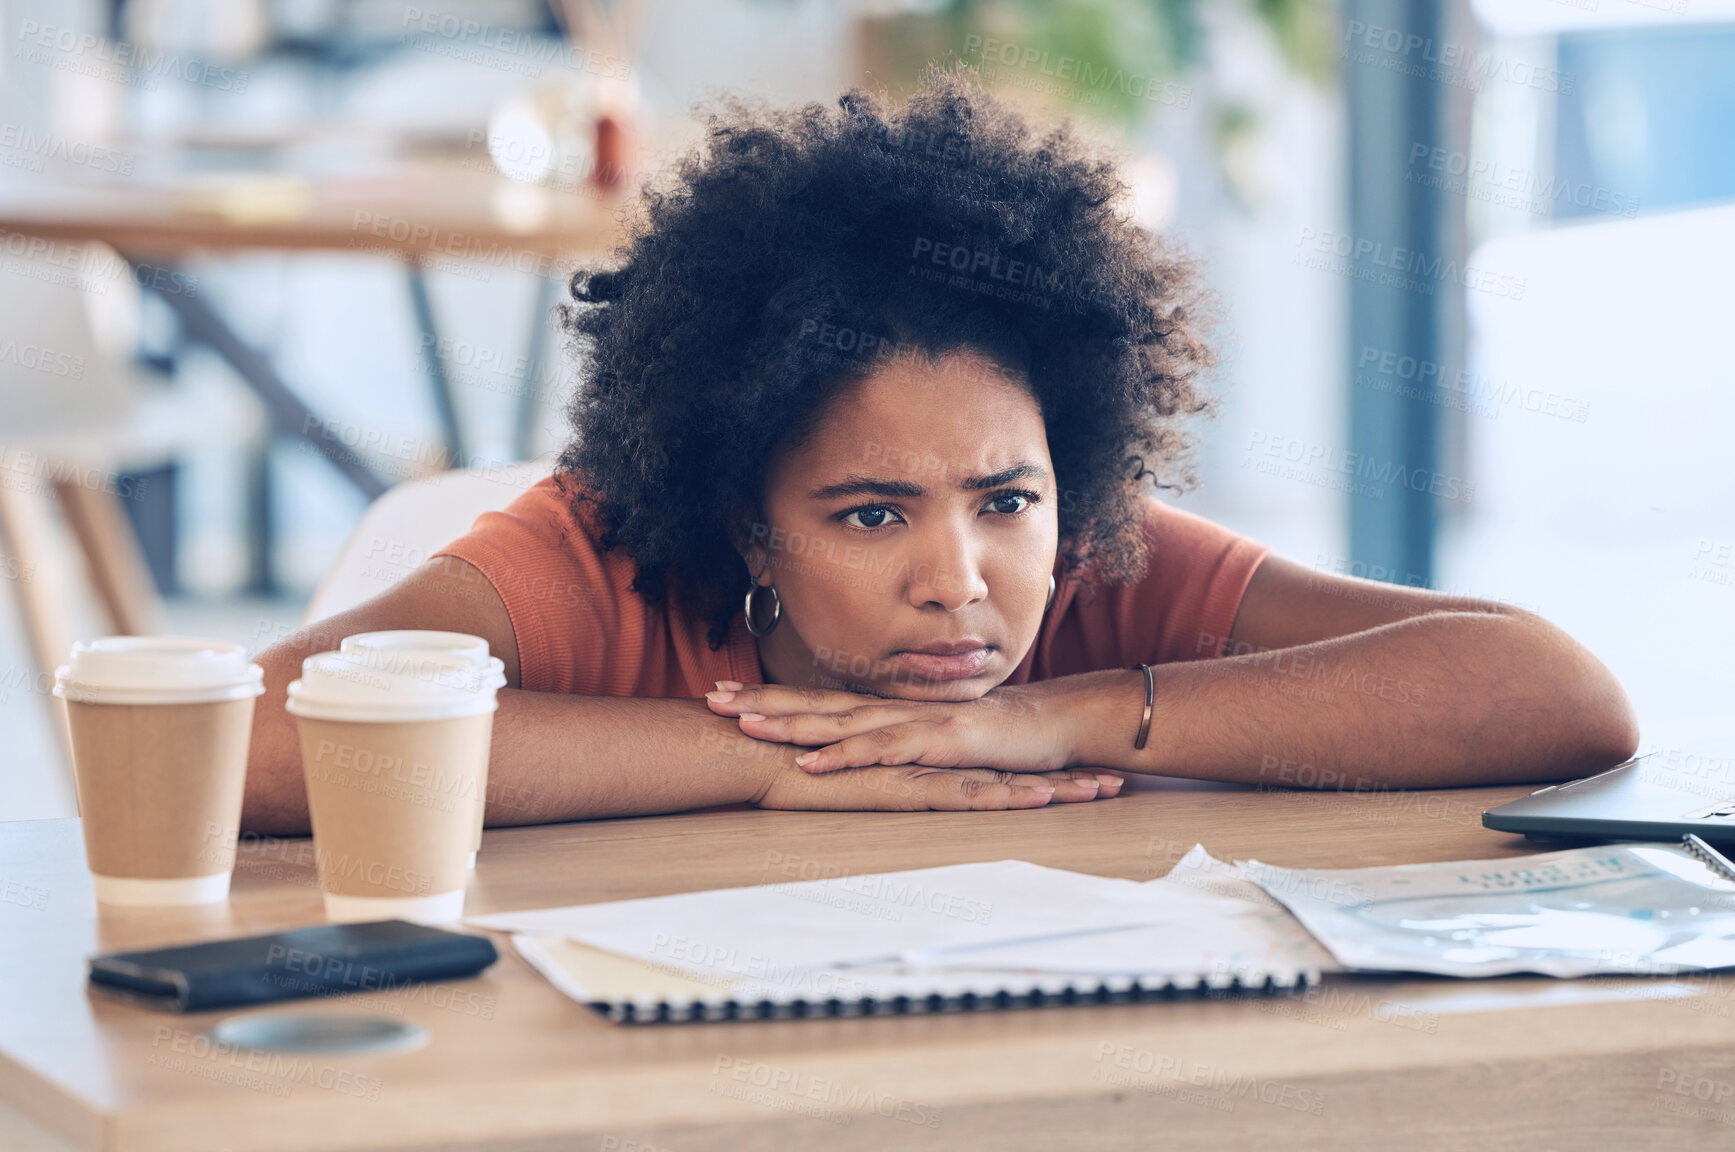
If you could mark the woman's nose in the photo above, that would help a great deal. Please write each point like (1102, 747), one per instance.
(949, 576)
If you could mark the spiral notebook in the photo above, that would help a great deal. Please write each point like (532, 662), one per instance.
(630, 991)
(999, 935)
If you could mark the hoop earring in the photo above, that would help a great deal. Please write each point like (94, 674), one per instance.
(1046, 604)
(776, 609)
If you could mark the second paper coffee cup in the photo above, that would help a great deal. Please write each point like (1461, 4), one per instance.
(472, 648)
(394, 748)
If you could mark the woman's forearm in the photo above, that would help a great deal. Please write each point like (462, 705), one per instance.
(558, 757)
(1435, 700)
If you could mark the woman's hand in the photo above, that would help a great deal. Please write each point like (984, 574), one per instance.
(916, 788)
(1017, 728)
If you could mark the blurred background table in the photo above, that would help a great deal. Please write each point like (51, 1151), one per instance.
(422, 215)
(428, 210)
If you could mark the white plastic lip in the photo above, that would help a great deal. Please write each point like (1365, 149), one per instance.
(87, 693)
(375, 685)
(419, 640)
(328, 709)
(157, 670)
(138, 892)
(442, 908)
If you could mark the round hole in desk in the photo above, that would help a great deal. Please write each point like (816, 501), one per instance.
(320, 1032)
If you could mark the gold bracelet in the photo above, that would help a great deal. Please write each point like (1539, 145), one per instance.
(1150, 697)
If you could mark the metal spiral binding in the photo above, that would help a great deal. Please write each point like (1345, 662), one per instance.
(1098, 992)
(1709, 856)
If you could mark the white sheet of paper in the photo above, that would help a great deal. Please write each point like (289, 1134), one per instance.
(1241, 930)
(588, 975)
(880, 919)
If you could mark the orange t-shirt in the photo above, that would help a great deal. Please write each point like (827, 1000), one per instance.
(582, 630)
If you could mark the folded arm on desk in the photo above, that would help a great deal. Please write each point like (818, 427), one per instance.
(1331, 681)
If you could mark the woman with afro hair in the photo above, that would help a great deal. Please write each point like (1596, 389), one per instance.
(858, 512)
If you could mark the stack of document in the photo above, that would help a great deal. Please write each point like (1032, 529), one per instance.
(1012, 934)
(1000, 934)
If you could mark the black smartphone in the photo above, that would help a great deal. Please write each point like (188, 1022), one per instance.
(325, 960)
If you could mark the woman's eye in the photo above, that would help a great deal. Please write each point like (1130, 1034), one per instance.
(879, 515)
(869, 517)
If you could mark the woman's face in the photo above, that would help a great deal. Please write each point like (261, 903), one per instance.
(919, 516)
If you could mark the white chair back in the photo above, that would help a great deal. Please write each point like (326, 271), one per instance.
(401, 529)
(59, 392)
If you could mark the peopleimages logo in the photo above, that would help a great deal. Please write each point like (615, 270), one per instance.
(1147, 1070)
(1511, 186)
(821, 1097)
(1430, 376)
(982, 263)
(1461, 65)
(146, 62)
(1076, 71)
(1395, 265)
(1305, 458)
(58, 146)
(86, 267)
(40, 359)
(516, 50)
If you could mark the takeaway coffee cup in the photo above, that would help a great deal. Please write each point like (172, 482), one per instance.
(473, 648)
(160, 728)
(394, 747)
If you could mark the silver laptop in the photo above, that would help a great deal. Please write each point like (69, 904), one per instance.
(1647, 798)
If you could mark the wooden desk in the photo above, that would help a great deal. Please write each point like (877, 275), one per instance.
(1371, 1063)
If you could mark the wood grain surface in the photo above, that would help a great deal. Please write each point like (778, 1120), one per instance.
(1363, 1062)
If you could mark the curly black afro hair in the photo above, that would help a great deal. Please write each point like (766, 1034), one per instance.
(798, 248)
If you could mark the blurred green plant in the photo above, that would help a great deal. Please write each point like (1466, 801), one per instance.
(1119, 47)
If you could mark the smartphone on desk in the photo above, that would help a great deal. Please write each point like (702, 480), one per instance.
(324, 960)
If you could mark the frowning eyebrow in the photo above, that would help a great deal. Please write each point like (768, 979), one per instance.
(907, 490)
